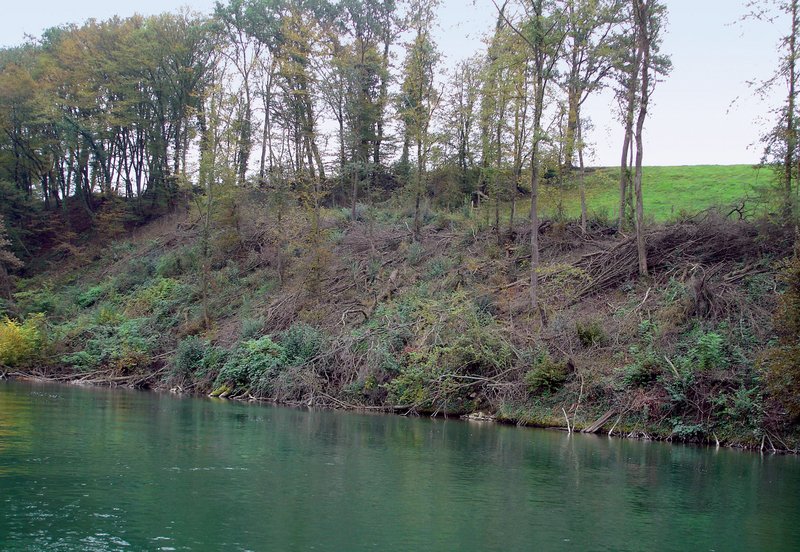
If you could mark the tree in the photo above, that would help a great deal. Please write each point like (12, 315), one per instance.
(356, 93)
(418, 96)
(627, 64)
(245, 53)
(460, 116)
(590, 34)
(496, 92)
(544, 31)
(781, 142)
(649, 17)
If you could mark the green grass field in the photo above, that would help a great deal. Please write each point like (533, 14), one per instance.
(668, 191)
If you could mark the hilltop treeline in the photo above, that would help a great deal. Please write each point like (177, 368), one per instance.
(320, 102)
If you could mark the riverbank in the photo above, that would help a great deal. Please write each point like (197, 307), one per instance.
(375, 318)
(478, 417)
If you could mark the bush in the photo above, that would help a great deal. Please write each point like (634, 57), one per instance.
(361, 212)
(20, 343)
(744, 407)
(213, 361)
(252, 364)
(124, 347)
(644, 369)
(546, 376)
(590, 333)
(414, 253)
(170, 265)
(189, 356)
(686, 431)
(301, 344)
(160, 301)
(708, 352)
(252, 328)
(439, 267)
(42, 300)
(90, 296)
(464, 346)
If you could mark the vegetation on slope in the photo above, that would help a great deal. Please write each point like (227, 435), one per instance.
(370, 317)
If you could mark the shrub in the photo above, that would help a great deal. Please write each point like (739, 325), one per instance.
(590, 333)
(411, 388)
(124, 347)
(189, 356)
(486, 305)
(686, 431)
(546, 376)
(744, 406)
(438, 267)
(600, 217)
(20, 343)
(159, 297)
(90, 296)
(139, 270)
(447, 370)
(213, 361)
(252, 328)
(42, 300)
(708, 352)
(644, 369)
(252, 364)
(301, 344)
(108, 316)
(170, 265)
(414, 253)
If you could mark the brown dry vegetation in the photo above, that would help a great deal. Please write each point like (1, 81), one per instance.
(439, 324)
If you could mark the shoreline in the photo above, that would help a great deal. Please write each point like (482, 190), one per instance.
(482, 417)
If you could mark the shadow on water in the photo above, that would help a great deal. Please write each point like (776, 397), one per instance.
(96, 469)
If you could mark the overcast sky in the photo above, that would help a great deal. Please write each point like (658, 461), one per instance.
(704, 113)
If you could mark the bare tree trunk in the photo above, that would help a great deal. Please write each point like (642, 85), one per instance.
(206, 253)
(642, 10)
(581, 175)
(791, 131)
(418, 194)
(534, 288)
(266, 140)
(624, 171)
(355, 195)
(497, 177)
(513, 212)
(624, 178)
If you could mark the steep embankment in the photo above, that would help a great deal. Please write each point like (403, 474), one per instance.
(366, 315)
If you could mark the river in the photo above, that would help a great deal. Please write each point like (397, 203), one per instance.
(98, 470)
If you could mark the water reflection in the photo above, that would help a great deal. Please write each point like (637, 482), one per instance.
(106, 470)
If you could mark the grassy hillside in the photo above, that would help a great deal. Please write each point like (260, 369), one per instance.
(668, 191)
(368, 316)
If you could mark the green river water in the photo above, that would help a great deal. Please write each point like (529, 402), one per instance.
(95, 469)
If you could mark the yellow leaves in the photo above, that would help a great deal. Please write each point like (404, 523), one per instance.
(16, 85)
(20, 343)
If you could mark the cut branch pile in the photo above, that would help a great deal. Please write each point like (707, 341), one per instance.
(707, 244)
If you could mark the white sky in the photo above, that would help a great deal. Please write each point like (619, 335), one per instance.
(691, 122)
